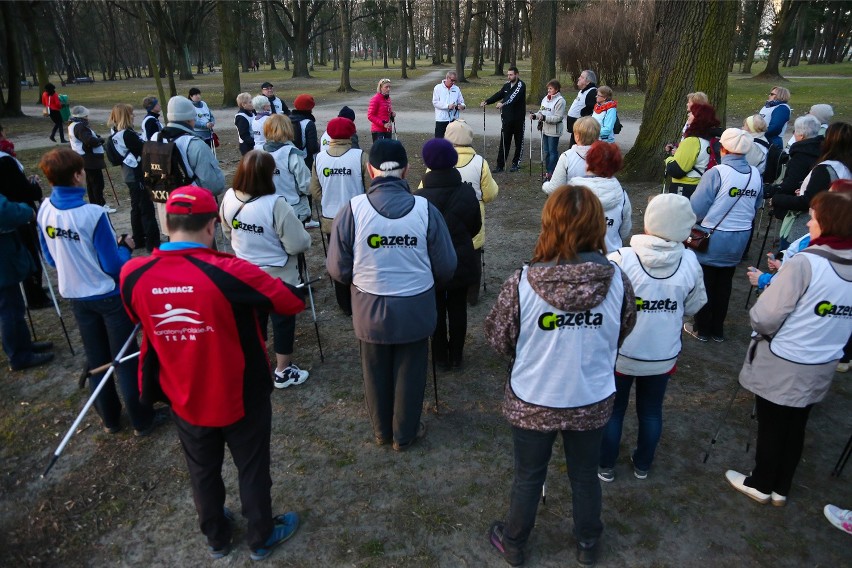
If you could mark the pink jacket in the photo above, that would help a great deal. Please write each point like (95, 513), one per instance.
(378, 112)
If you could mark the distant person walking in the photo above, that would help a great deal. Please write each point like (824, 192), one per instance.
(90, 146)
(512, 104)
(52, 108)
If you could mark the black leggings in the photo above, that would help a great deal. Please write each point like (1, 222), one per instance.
(511, 129)
(56, 117)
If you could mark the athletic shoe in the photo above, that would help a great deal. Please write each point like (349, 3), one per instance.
(312, 224)
(737, 479)
(778, 500)
(222, 551)
(606, 474)
(112, 429)
(41, 346)
(718, 338)
(160, 416)
(515, 168)
(497, 170)
(495, 537)
(291, 375)
(690, 330)
(840, 518)
(421, 431)
(843, 367)
(285, 527)
(35, 360)
(587, 553)
(638, 473)
(109, 209)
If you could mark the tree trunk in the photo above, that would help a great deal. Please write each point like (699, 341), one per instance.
(691, 54)
(476, 39)
(345, 7)
(170, 71)
(437, 27)
(31, 19)
(267, 30)
(754, 33)
(403, 40)
(463, 36)
(10, 105)
(543, 53)
(800, 40)
(410, 22)
(785, 18)
(152, 59)
(228, 53)
(506, 34)
(497, 48)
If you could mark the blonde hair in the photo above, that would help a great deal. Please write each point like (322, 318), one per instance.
(782, 94)
(278, 128)
(698, 97)
(381, 82)
(605, 91)
(755, 124)
(586, 131)
(121, 116)
(243, 98)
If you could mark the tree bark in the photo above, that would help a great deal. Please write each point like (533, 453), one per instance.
(345, 8)
(410, 21)
(785, 18)
(31, 14)
(152, 59)
(691, 50)
(754, 33)
(228, 53)
(476, 39)
(462, 37)
(268, 31)
(403, 40)
(543, 53)
(10, 104)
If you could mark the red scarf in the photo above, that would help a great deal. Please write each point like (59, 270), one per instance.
(837, 243)
(605, 106)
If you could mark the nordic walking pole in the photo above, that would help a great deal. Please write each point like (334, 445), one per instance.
(541, 151)
(304, 264)
(86, 373)
(530, 143)
(484, 145)
(482, 256)
(760, 254)
(114, 194)
(719, 429)
(434, 376)
(55, 303)
(27, 307)
(118, 358)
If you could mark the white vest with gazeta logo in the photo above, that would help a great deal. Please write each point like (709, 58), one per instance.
(578, 103)
(820, 324)
(566, 360)
(702, 160)
(391, 257)
(253, 235)
(256, 124)
(325, 140)
(340, 178)
(77, 145)
(249, 119)
(766, 113)
(742, 213)
(472, 174)
(69, 234)
(283, 178)
(659, 307)
(613, 225)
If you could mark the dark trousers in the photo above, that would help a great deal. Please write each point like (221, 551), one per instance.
(283, 331)
(143, 217)
(569, 126)
(95, 186)
(32, 283)
(710, 319)
(452, 306)
(104, 327)
(511, 129)
(780, 439)
(440, 129)
(532, 454)
(379, 135)
(394, 386)
(13, 327)
(248, 442)
(56, 117)
(650, 391)
(343, 295)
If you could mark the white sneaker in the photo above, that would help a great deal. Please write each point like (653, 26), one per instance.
(312, 224)
(736, 480)
(291, 375)
(109, 209)
(606, 474)
(778, 500)
(840, 518)
(843, 367)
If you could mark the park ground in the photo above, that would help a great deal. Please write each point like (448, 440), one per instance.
(118, 500)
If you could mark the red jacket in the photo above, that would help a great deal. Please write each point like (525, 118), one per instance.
(202, 349)
(51, 101)
(378, 112)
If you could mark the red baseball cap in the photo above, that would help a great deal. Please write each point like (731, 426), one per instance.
(191, 200)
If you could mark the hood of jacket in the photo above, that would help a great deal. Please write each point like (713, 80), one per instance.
(273, 146)
(807, 147)
(573, 286)
(608, 190)
(659, 257)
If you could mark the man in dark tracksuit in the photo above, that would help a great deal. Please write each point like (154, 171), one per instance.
(203, 353)
(513, 112)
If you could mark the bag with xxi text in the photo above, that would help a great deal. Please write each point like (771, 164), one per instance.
(163, 168)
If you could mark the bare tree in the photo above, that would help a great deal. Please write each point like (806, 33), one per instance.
(10, 103)
(228, 52)
(543, 54)
(783, 20)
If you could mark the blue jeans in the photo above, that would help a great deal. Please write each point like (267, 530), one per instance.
(551, 152)
(650, 392)
(13, 327)
(532, 454)
(104, 327)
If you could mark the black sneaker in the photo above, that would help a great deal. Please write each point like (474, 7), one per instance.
(495, 537)
(497, 170)
(217, 552)
(587, 553)
(34, 361)
(515, 168)
(41, 346)
(160, 416)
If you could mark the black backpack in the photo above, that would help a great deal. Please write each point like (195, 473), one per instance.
(163, 169)
(616, 128)
(775, 159)
(111, 152)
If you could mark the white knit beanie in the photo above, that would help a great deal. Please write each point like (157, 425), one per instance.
(459, 133)
(180, 109)
(736, 141)
(670, 217)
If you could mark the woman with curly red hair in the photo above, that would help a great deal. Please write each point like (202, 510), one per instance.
(692, 157)
(603, 160)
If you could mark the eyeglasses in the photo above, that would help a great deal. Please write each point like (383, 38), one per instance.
(773, 94)
(600, 96)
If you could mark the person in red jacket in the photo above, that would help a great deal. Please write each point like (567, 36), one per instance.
(203, 353)
(52, 108)
(380, 112)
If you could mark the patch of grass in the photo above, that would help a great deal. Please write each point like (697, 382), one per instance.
(372, 548)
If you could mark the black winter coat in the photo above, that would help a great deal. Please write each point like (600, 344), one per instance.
(458, 204)
(803, 157)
